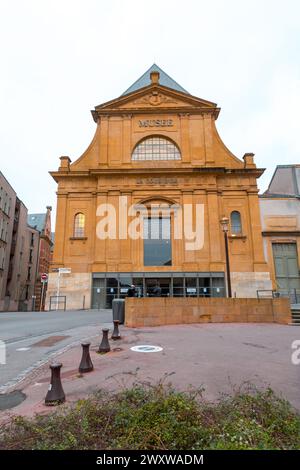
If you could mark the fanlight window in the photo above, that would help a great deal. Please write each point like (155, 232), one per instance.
(235, 222)
(156, 148)
(79, 223)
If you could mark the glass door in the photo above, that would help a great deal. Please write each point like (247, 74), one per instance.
(98, 293)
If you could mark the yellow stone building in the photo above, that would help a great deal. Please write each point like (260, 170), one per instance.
(156, 146)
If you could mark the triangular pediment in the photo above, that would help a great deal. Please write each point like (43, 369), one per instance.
(155, 97)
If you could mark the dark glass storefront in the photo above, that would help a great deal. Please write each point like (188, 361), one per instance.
(108, 286)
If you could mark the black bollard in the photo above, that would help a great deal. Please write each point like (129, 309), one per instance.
(104, 345)
(56, 394)
(116, 334)
(86, 364)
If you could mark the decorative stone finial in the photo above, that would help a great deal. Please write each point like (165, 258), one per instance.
(64, 163)
(154, 76)
(249, 160)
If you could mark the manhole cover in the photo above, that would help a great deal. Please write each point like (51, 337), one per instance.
(146, 348)
(12, 399)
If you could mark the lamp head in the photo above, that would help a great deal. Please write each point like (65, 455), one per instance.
(224, 224)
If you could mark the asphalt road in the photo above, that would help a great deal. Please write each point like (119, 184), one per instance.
(31, 338)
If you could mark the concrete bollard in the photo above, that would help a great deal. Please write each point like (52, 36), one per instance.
(116, 334)
(104, 345)
(56, 394)
(86, 364)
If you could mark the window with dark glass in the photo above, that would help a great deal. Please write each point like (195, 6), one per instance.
(125, 283)
(235, 222)
(157, 241)
(79, 223)
(191, 286)
(156, 148)
(178, 287)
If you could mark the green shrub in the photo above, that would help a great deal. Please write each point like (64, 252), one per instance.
(161, 418)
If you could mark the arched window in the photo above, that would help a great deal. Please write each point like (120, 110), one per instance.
(79, 222)
(235, 222)
(156, 148)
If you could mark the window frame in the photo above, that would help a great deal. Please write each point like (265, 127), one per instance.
(78, 231)
(159, 221)
(168, 150)
(234, 224)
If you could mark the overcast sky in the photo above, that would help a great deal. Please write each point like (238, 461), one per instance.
(60, 58)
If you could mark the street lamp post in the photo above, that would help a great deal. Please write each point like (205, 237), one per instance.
(225, 227)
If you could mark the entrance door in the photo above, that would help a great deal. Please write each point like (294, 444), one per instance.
(98, 293)
(163, 283)
(286, 266)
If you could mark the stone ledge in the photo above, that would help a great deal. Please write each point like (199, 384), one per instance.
(151, 311)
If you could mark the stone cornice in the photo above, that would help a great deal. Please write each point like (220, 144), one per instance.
(278, 233)
(57, 175)
(105, 113)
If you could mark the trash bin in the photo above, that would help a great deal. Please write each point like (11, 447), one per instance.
(118, 310)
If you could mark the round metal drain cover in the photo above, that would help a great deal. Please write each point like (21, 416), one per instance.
(12, 399)
(146, 348)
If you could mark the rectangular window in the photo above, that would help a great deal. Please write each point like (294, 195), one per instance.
(157, 241)
(178, 287)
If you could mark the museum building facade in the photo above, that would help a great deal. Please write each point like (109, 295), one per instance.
(143, 204)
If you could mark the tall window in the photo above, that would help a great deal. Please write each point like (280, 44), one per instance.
(157, 241)
(235, 222)
(79, 223)
(156, 148)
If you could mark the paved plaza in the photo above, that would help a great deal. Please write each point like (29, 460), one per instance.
(32, 338)
(221, 358)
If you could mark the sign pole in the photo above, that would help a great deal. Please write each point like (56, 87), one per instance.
(60, 271)
(58, 286)
(42, 295)
(44, 279)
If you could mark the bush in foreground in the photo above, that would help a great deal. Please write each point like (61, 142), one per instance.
(161, 418)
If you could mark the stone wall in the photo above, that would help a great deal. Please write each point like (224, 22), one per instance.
(151, 311)
(75, 286)
(246, 284)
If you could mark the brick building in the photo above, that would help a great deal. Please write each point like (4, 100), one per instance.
(42, 223)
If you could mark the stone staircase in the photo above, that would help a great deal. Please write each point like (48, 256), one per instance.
(295, 315)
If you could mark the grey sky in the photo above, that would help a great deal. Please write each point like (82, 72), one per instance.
(60, 58)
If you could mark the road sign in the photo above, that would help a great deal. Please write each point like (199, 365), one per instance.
(44, 277)
(64, 270)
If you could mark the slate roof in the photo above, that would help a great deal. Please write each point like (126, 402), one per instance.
(164, 79)
(285, 182)
(37, 221)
